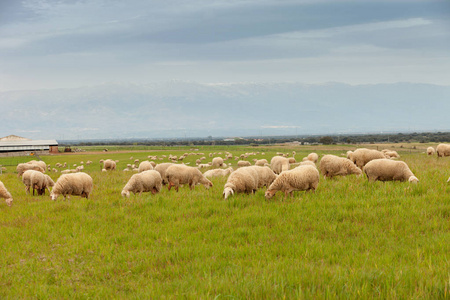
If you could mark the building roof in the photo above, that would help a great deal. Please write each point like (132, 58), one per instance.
(27, 142)
(13, 137)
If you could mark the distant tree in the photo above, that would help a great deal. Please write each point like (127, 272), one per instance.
(326, 140)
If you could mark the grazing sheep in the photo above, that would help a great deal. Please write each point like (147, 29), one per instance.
(279, 164)
(162, 168)
(308, 162)
(40, 182)
(200, 166)
(243, 180)
(182, 174)
(26, 179)
(302, 178)
(145, 166)
(5, 194)
(40, 163)
(218, 172)
(217, 162)
(314, 157)
(332, 165)
(109, 165)
(388, 170)
(390, 153)
(360, 157)
(243, 163)
(291, 160)
(21, 168)
(265, 175)
(145, 181)
(443, 150)
(77, 184)
(261, 162)
(430, 151)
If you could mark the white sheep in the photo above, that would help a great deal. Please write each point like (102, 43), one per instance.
(162, 168)
(303, 178)
(109, 165)
(430, 151)
(177, 175)
(291, 160)
(443, 150)
(145, 181)
(265, 175)
(360, 157)
(314, 157)
(261, 162)
(40, 163)
(243, 163)
(217, 162)
(145, 166)
(243, 180)
(307, 162)
(77, 184)
(5, 194)
(332, 165)
(40, 182)
(21, 168)
(218, 172)
(390, 153)
(279, 164)
(388, 170)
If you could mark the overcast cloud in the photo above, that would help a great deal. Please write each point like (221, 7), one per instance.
(55, 44)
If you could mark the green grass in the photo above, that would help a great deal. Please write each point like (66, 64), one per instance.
(349, 239)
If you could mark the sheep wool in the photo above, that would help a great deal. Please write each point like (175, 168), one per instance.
(360, 157)
(302, 178)
(279, 164)
(443, 150)
(5, 194)
(162, 168)
(218, 173)
(243, 163)
(314, 157)
(26, 179)
(21, 168)
(261, 162)
(389, 170)
(430, 151)
(145, 181)
(145, 166)
(41, 182)
(77, 184)
(243, 180)
(265, 176)
(177, 175)
(332, 165)
(217, 162)
(109, 165)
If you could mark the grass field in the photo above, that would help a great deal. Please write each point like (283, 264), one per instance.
(350, 239)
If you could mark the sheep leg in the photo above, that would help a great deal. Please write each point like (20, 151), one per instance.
(169, 186)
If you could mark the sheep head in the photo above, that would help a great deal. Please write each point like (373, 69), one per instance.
(228, 191)
(270, 193)
(9, 201)
(125, 193)
(413, 179)
(54, 195)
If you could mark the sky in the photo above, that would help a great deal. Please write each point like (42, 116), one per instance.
(50, 44)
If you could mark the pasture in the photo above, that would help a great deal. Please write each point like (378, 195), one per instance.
(349, 239)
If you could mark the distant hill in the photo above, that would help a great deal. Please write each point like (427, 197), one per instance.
(183, 109)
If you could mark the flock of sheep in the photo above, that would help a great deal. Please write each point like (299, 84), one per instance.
(275, 176)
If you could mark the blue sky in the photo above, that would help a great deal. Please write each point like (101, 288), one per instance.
(62, 44)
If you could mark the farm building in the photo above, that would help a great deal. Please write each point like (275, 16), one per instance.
(13, 145)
